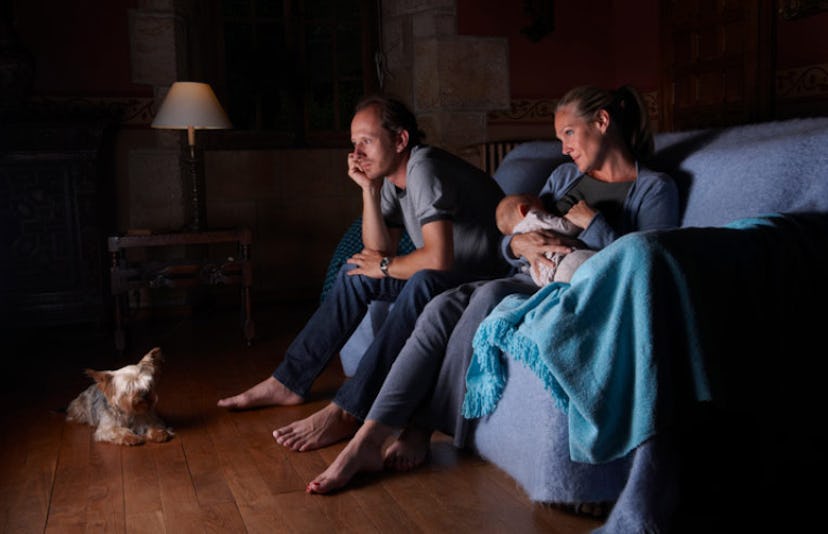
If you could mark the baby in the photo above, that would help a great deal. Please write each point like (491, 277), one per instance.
(517, 214)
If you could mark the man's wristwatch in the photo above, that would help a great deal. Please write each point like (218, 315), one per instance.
(384, 263)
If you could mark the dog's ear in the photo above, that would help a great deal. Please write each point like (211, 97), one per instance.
(151, 362)
(91, 373)
(102, 378)
(153, 357)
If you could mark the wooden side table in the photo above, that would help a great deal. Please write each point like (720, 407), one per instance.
(181, 272)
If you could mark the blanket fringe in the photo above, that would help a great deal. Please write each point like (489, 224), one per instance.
(493, 337)
(483, 395)
(526, 352)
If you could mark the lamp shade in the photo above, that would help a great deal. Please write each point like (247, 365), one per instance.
(191, 105)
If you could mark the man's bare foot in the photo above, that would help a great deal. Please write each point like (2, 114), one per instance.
(409, 450)
(268, 392)
(320, 429)
(363, 453)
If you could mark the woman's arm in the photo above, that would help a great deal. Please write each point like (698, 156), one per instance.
(532, 246)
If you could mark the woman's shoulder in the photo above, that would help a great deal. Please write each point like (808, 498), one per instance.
(656, 185)
(654, 177)
(565, 172)
(564, 175)
(560, 179)
(566, 168)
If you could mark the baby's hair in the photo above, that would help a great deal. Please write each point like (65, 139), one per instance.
(506, 209)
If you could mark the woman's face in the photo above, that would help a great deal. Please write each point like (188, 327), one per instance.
(375, 150)
(582, 140)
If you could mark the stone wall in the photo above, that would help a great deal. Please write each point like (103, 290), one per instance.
(299, 202)
(450, 81)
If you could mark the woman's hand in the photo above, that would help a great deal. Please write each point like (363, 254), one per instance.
(580, 214)
(367, 262)
(534, 246)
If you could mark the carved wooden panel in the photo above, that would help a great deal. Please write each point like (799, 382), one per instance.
(717, 62)
(54, 216)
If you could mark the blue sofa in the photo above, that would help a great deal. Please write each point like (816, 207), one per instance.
(721, 458)
(723, 175)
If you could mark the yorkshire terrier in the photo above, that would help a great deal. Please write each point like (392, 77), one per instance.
(121, 404)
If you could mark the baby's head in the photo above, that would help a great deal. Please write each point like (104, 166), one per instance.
(512, 209)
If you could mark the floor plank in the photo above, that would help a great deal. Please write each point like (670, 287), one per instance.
(222, 471)
(29, 458)
(105, 504)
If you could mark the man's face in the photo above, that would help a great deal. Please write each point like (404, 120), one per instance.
(375, 149)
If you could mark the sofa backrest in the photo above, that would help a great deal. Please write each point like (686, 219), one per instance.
(722, 174)
(743, 171)
(527, 166)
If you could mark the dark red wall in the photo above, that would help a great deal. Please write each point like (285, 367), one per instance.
(608, 43)
(602, 42)
(80, 47)
(802, 42)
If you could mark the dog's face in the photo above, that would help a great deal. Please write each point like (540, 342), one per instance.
(131, 389)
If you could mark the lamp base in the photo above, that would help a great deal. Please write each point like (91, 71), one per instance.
(197, 211)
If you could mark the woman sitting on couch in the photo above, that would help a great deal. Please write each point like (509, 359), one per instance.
(605, 191)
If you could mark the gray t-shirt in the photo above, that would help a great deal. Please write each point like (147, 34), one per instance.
(442, 186)
(605, 197)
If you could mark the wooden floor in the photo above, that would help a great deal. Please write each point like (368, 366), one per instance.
(222, 472)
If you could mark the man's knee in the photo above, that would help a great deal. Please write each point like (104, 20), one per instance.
(344, 278)
(427, 283)
(429, 278)
(364, 287)
(345, 268)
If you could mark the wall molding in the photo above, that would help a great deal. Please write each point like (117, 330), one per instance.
(800, 86)
(130, 111)
(542, 110)
(525, 110)
(802, 82)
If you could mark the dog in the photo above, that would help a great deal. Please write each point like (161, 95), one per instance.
(121, 404)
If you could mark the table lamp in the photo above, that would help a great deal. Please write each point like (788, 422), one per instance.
(192, 106)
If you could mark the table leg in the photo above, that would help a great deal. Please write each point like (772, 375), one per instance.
(118, 291)
(248, 326)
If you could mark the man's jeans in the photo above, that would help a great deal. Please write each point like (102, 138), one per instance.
(340, 314)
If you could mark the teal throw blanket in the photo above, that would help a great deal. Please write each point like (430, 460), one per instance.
(640, 328)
